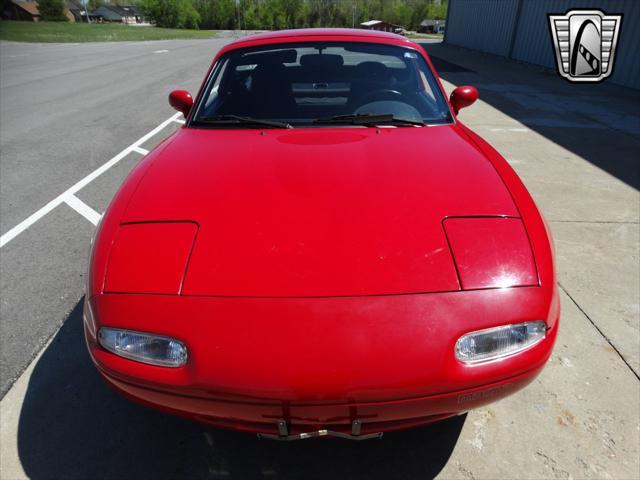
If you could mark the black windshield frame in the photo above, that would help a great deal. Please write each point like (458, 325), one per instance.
(232, 59)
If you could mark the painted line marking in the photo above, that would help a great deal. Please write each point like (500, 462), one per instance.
(37, 215)
(510, 130)
(140, 150)
(180, 121)
(161, 51)
(83, 209)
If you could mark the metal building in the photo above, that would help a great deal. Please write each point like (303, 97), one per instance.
(519, 29)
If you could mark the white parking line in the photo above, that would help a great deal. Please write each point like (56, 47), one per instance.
(141, 151)
(510, 130)
(83, 209)
(62, 198)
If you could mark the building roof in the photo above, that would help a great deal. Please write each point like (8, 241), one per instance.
(116, 12)
(30, 7)
(371, 23)
(75, 7)
(430, 22)
(125, 10)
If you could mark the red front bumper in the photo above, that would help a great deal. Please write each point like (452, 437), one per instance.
(322, 363)
(375, 417)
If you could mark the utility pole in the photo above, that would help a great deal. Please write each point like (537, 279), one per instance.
(355, 6)
(86, 10)
(239, 26)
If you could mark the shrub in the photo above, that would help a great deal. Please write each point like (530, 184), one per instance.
(171, 13)
(52, 10)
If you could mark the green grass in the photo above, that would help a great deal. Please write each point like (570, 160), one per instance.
(418, 36)
(82, 32)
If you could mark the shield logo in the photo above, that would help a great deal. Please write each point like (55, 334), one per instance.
(585, 44)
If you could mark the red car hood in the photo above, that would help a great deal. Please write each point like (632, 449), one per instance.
(319, 212)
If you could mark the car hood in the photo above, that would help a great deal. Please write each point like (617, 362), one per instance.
(319, 212)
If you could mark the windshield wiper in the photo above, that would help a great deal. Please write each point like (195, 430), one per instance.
(240, 120)
(370, 119)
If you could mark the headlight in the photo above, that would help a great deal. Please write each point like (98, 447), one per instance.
(144, 347)
(499, 342)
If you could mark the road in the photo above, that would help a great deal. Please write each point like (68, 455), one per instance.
(66, 110)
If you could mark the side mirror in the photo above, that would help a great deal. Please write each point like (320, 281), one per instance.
(182, 101)
(462, 97)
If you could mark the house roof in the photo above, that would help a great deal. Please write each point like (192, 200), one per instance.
(125, 10)
(371, 23)
(116, 12)
(30, 7)
(429, 22)
(74, 6)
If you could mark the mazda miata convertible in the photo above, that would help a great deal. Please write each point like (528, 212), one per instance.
(323, 249)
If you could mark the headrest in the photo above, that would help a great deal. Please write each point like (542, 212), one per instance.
(373, 69)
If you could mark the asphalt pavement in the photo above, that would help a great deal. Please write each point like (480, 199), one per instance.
(67, 110)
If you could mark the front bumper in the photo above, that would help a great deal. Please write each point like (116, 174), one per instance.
(375, 417)
(321, 363)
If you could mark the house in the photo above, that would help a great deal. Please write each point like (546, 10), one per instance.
(431, 26)
(28, 11)
(382, 26)
(20, 10)
(79, 12)
(128, 14)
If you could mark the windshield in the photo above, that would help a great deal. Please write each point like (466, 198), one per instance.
(320, 84)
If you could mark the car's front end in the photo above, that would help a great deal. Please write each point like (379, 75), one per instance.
(325, 279)
(387, 361)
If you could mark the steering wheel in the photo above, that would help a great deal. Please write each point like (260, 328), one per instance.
(381, 94)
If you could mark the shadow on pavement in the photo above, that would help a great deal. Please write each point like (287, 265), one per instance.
(598, 122)
(72, 425)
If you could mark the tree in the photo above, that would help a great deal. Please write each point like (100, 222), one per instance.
(217, 14)
(52, 10)
(171, 13)
(93, 4)
(277, 14)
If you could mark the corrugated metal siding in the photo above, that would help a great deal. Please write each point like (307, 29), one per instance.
(468, 21)
(626, 69)
(487, 25)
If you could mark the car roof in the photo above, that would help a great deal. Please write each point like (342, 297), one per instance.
(346, 33)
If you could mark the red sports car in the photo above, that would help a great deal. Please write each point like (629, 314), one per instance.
(322, 249)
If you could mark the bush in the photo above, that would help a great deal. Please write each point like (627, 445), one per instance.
(52, 10)
(171, 13)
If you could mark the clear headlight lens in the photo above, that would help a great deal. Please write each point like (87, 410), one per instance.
(144, 347)
(499, 342)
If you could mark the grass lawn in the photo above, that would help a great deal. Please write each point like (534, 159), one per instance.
(94, 32)
(418, 36)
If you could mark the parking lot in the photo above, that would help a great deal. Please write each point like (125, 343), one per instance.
(75, 118)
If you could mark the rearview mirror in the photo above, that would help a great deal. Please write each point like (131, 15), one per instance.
(462, 97)
(182, 101)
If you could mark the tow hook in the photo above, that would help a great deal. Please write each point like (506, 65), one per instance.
(283, 433)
